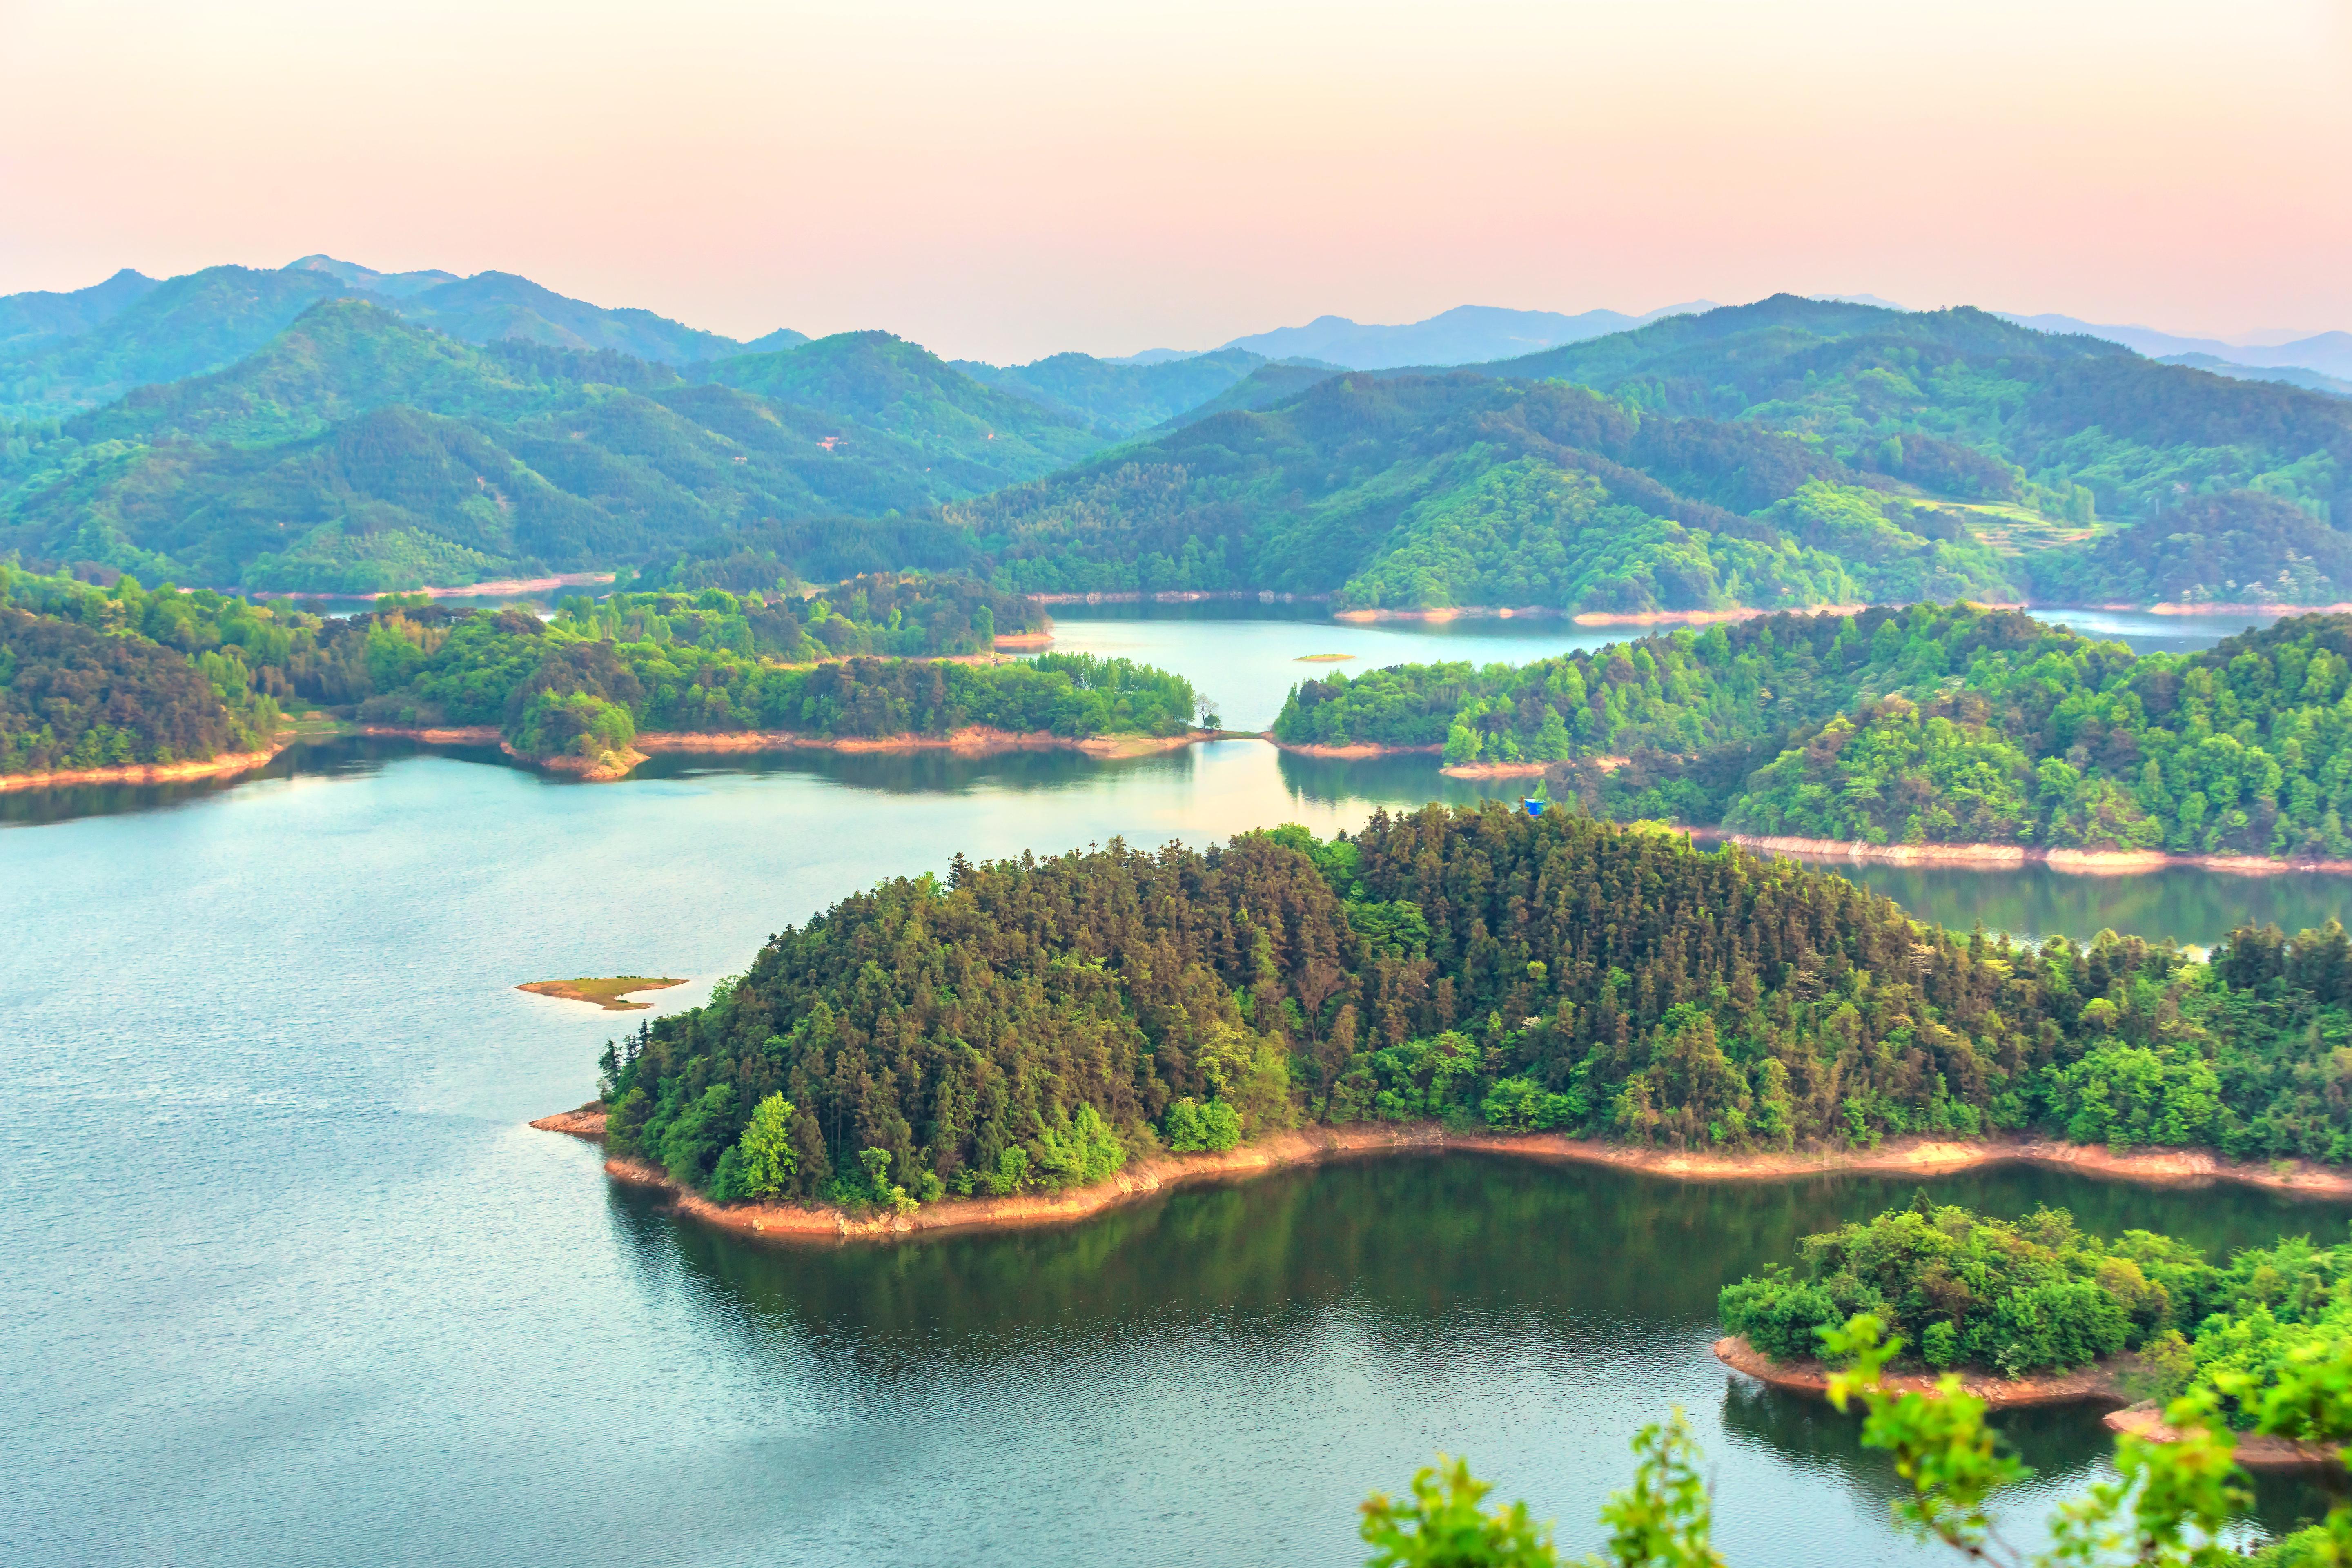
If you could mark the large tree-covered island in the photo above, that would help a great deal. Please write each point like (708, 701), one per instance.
(1030, 1026)
(120, 677)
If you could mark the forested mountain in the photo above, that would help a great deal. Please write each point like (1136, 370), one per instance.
(1033, 1023)
(359, 452)
(1418, 491)
(491, 306)
(60, 353)
(1118, 399)
(887, 384)
(2069, 414)
(326, 427)
(389, 285)
(1272, 382)
(40, 313)
(180, 327)
(2236, 547)
(1919, 726)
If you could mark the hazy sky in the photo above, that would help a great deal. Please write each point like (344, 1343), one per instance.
(1004, 180)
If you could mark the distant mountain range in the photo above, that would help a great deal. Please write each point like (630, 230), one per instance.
(2330, 353)
(1467, 335)
(1789, 452)
(325, 427)
(60, 353)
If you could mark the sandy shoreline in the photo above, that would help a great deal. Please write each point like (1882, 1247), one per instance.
(1591, 617)
(2076, 862)
(152, 772)
(2101, 1382)
(1493, 769)
(503, 587)
(1140, 1178)
(1180, 596)
(1356, 751)
(2253, 1451)
(974, 740)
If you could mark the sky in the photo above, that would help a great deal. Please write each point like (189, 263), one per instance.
(1006, 180)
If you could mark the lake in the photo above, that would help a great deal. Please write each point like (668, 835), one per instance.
(290, 1283)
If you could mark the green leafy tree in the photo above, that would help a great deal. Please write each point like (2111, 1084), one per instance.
(766, 1147)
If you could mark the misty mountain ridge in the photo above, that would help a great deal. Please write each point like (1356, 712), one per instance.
(2285, 375)
(2330, 353)
(61, 354)
(1466, 335)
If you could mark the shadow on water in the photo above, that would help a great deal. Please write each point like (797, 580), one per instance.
(2064, 1442)
(1408, 781)
(1407, 1237)
(2185, 904)
(1611, 1274)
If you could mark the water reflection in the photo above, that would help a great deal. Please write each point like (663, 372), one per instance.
(2183, 903)
(1582, 1297)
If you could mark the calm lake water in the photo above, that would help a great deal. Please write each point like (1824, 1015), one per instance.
(288, 1280)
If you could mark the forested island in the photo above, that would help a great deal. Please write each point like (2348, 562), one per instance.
(1030, 1026)
(2039, 1295)
(99, 677)
(1924, 726)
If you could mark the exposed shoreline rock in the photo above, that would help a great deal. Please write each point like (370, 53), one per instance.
(2075, 862)
(803, 1221)
(2255, 1451)
(1354, 751)
(153, 772)
(2095, 1383)
(971, 741)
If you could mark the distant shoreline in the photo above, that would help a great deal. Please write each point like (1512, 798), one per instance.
(1316, 1145)
(502, 588)
(972, 740)
(152, 772)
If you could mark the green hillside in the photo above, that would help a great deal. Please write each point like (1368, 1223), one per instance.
(2236, 547)
(1119, 399)
(1923, 725)
(1420, 492)
(490, 306)
(885, 383)
(358, 452)
(64, 352)
(44, 314)
(2069, 414)
(1261, 388)
(180, 327)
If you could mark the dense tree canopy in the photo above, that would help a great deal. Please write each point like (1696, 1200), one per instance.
(100, 676)
(1922, 725)
(90, 679)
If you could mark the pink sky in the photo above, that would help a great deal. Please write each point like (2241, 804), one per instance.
(1005, 180)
